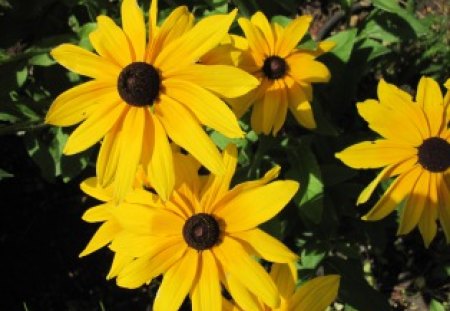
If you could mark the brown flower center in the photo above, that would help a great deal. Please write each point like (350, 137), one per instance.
(201, 231)
(138, 84)
(434, 154)
(274, 67)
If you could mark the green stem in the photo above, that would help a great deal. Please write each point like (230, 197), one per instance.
(19, 127)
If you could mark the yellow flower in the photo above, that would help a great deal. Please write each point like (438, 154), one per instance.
(416, 148)
(285, 72)
(144, 93)
(204, 235)
(315, 295)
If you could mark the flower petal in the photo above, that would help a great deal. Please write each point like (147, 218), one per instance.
(177, 282)
(396, 192)
(105, 233)
(91, 187)
(415, 202)
(427, 222)
(160, 169)
(280, 117)
(217, 185)
(166, 223)
(109, 154)
(119, 262)
(206, 292)
(381, 118)
(375, 154)
(316, 294)
(304, 69)
(285, 278)
(110, 42)
(85, 63)
(144, 269)
(98, 213)
(134, 218)
(185, 131)
(77, 103)
(260, 21)
(429, 97)
(188, 49)
(225, 81)
(130, 151)
(292, 35)
(208, 108)
(266, 246)
(241, 296)
(253, 207)
(444, 203)
(94, 127)
(246, 270)
(255, 37)
(134, 27)
(266, 110)
(299, 104)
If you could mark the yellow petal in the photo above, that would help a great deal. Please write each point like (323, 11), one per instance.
(85, 63)
(415, 202)
(246, 270)
(316, 294)
(143, 197)
(396, 192)
(130, 153)
(260, 20)
(160, 168)
(299, 105)
(381, 118)
(266, 109)
(109, 154)
(91, 187)
(266, 246)
(77, 103)
(255, 38)
(375, 154)
(280, 116)
(303, 69)
(139, 245)
(253, 207)
(103, 236)
(206, 292)
(188, 49)
(444, 203)
(401, 102)
(185, 131)
(186, 171)
(241, 296)
(110, 41)
(134, 27)
(177, 283)
(135, 218)
(285, 278)
(292, 35)
(225, 81)
(144, 269)
(94, 127)
(427, 222)
(208, 108)
(153, 20)
(217, 185)
(429, 97)
(166, 223)
(98, 213)
(119, 262)
(175, 25)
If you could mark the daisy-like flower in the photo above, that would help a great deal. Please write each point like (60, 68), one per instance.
(314, 295)
(204, 235)
(415, 147)
(144, 93)
(285, 72)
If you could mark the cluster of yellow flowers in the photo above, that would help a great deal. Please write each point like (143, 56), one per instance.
(148, 99)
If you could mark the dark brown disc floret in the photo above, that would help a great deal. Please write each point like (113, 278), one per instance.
(274, 67)
(201, 231)
(138, 84)
(434, 154)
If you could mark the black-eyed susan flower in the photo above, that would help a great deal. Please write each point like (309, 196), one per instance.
(202, 237)
(314, 295)
(415, 147)
(269, 52)
(144, 93)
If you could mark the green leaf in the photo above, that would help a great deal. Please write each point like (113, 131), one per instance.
(41, 60)
(311, 258)
(304, 168)
(281, 20)
(393, 7)
(345, 40)
(4, 174)
(436, 306)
